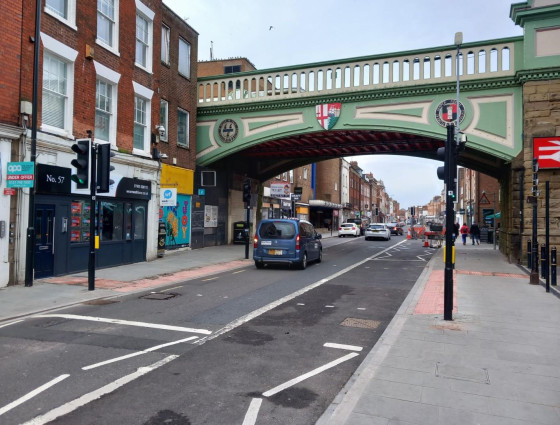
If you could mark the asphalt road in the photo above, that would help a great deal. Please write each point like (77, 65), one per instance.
(271, 346)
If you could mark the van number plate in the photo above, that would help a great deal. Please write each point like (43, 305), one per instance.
(274, 252)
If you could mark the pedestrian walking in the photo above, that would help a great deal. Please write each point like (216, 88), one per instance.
(475, 234)
(464, 232)
(456, 232)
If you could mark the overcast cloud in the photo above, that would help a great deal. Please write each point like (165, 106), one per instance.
(305, 31)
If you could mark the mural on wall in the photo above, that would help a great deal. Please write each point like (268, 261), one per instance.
(177, 221)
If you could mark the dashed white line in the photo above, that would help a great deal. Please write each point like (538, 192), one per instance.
(343, 346)
(303, 377)
(127, 323)
(94, 395)
(138, 353)
(252, 412)
(329, 306)
(32, 394)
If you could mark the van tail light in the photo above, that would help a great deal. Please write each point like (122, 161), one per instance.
(297, 242)
(340, 228)
(255, 241)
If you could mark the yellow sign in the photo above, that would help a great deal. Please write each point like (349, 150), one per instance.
(176, 177)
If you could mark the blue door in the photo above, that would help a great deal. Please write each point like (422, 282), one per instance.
(44, 237)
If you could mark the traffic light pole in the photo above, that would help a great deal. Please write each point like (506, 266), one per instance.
(92, 216)
(449, 225)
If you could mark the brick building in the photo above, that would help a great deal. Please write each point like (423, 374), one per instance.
(96, 83)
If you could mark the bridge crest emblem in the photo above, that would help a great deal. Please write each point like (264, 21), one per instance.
(327, 114)
(446, 112)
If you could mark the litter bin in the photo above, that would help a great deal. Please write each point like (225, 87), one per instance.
(240, 232)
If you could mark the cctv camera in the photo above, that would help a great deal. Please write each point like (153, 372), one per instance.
(163, 156)
(161, 130)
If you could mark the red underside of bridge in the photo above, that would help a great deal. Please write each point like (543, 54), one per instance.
(345, 143)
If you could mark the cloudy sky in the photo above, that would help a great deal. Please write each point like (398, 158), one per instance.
(306, 31)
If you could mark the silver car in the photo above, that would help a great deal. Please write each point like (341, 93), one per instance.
(377, 231)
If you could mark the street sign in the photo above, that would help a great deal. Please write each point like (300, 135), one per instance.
(547, 151)
(20, 174)
(484, 200)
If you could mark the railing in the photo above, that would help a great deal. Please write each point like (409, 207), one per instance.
(421, 67)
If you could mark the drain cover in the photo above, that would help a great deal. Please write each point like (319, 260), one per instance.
(462, 373)
(160, 296)
(360, 323)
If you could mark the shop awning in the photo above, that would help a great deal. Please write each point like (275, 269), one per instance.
(324, 204)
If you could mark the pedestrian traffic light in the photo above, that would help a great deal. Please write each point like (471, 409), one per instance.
(104, 167)
(82, 147)
(247, 191)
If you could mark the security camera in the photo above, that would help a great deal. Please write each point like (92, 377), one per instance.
(161, 130)
(163, 156)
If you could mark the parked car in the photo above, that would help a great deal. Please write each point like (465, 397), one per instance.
(348, 229)
(395, 229)
(377, 231)
(286, 241)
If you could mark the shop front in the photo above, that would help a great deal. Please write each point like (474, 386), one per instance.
(62, 223)
(322, 214)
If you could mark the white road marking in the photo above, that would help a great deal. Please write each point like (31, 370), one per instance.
(300, 304)
(343, 346)
(240, 271)
(94, 395)
(138, 353)
(361, 308)
(210, 278)
(126, 323)
(256, 313)
(32, 394)
(303, 377)
(11, 323)
(252, 412)
(171, 289)
(329, 306)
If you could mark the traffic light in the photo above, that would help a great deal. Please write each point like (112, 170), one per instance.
(104, 167)
(535, 188)
(448, 172)
(82, 147)
(247, 191)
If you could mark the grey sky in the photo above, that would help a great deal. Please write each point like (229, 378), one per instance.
(305, 31)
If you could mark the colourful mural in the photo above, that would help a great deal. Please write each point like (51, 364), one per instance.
(177, 222)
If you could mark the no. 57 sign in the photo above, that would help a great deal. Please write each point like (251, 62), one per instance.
(547, 151)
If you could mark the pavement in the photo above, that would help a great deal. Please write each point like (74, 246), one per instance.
(496, 362)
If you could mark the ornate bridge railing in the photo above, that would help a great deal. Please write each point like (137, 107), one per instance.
(477, 61)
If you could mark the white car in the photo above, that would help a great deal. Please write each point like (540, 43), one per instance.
(348, 229)
(377, 230)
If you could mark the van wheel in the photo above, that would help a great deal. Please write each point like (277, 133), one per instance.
(303, 263)
(259, 265)
(320, 256)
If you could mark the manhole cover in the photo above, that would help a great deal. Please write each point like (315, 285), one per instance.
(99, 302)
(360, 323)
(160, 296)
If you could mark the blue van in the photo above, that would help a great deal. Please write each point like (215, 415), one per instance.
(286, 241)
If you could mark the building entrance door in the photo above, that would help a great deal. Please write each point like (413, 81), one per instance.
(44, 238)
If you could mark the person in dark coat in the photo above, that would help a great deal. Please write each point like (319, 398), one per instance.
(456, 233)
(475, 233)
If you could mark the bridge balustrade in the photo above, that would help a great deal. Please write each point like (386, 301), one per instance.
(421, 67)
